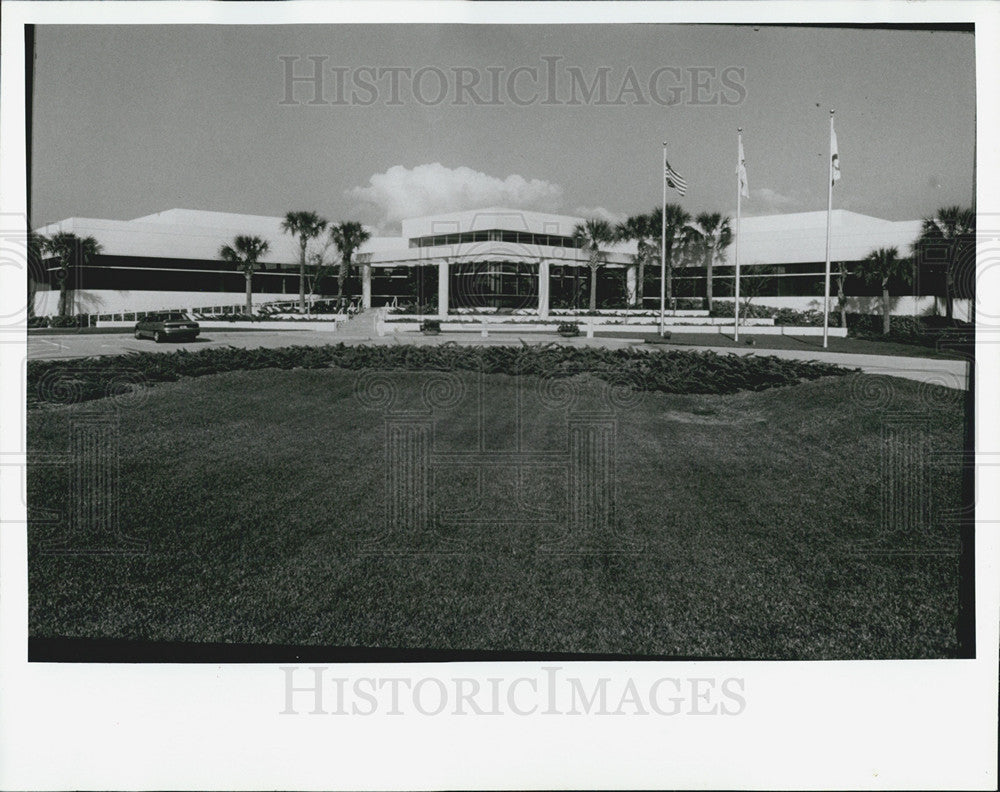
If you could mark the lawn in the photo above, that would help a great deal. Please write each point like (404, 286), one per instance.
(851, 345)
(741, 525)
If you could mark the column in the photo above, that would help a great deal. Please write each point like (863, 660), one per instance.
(543, 289)
(631, 283)
(443, 289)
(366, 286)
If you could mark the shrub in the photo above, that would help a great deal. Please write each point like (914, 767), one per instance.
(808, 318)
(670, 371)
(927, 331)
(81, 320)
(569, 328)
(724, 309)
(38, 321)
(430, 326)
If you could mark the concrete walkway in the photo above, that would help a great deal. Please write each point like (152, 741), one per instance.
(940, 371)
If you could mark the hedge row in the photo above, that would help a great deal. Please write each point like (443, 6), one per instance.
(671, 371)
(59, 321)
(915, 329)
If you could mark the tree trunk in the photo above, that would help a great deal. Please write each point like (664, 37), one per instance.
(708, 281)
(949, 296)
(302, 275)
(249, 275)
(885, 309)
(342, 272)
(64, 292)
(640, 278)
(32, 288)
(593, 288)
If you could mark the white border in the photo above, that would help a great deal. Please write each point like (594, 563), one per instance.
(876, 725)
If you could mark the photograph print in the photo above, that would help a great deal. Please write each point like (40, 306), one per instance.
(500, 342)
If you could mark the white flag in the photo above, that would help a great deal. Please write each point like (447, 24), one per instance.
(834, 156)
(742, 173)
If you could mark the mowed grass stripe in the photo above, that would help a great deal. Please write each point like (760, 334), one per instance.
(737, 524)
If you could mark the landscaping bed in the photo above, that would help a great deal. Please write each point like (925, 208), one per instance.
(67, 381)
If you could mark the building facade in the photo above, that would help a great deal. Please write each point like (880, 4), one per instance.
(492, 258)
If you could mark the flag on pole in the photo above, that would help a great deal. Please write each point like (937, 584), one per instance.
(674, 179)
(834, 156)
(744, 185)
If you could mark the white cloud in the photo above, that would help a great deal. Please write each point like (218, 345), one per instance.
(767, 200)
(601, 213)
(433, 188)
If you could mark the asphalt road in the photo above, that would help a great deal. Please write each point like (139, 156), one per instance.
(950, 373)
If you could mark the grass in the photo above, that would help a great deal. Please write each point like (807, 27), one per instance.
(859, 346)
(739, 526)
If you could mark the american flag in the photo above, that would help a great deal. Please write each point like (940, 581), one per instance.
(674, 179)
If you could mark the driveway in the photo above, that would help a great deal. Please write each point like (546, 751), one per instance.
(949, 373)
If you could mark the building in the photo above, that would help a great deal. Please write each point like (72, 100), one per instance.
(488, 258)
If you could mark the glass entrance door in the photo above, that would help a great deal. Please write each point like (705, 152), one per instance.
(493, 284)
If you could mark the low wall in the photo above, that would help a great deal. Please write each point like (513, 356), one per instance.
(385, 328)
(906, 305)
(276, 324)
(116, 301)
(603, 322)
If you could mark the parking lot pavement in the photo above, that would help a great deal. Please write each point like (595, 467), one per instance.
(950, 373)
(78, 345)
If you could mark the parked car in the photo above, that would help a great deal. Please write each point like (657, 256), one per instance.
(167, 327)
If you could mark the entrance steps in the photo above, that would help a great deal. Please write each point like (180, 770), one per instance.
(361, 325)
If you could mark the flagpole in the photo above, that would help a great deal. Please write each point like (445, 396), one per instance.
(663, 240)
(739, 194)
(829, 213)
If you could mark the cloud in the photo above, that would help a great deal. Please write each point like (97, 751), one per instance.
(767, 200)
(434, 188)
(601, 213)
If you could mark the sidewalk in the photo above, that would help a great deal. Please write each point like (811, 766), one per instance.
(939, 371)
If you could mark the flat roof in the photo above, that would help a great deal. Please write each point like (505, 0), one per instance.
(764, 239)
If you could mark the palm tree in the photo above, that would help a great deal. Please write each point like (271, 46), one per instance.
(36, 244)
(590, 235)
(713, 235)
(306, 226)
(245, 253)
(675, 238)
(842, 273)
(950, 237)
(642, 230)
(880, 266)
(348, 237)
(69, 251)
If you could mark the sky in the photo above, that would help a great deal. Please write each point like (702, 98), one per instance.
(130, 121)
